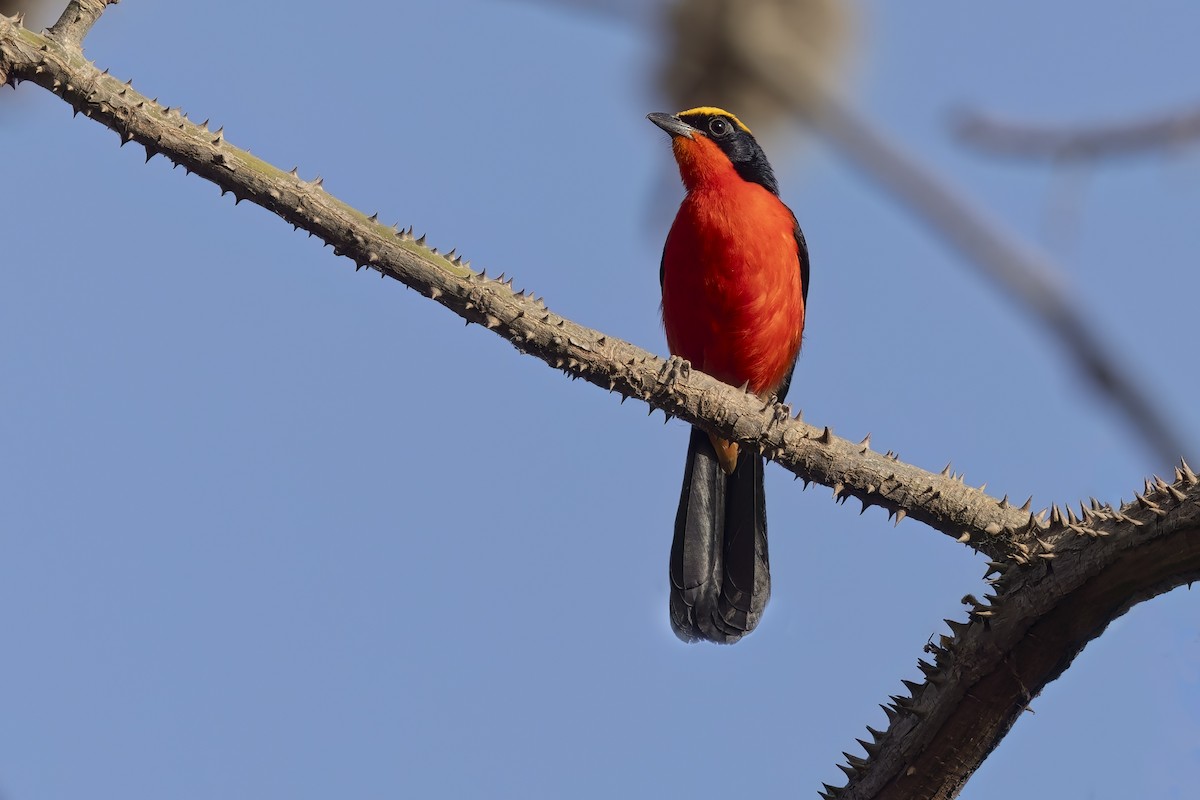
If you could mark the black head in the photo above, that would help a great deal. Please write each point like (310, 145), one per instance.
(734, 139)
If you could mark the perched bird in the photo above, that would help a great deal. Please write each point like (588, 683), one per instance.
(734, 279)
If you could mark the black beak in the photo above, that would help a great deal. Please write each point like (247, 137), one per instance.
(672, 124)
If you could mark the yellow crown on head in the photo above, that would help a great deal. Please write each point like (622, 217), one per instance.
(716, 112)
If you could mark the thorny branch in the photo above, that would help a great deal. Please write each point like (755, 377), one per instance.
(1061, 582)
(1089, 142)
(943, 501)
(1091, 568)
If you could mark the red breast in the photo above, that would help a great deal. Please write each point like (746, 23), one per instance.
(732, 299)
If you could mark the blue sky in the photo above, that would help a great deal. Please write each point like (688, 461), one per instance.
(271, 528)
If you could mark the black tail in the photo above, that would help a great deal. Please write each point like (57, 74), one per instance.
(720, 579)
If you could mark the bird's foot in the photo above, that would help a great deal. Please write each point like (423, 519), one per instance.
(673, 370)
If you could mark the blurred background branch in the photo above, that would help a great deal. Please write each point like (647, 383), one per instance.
(1149, 135)
(781, 61)
(38, 13)
(1022, 271)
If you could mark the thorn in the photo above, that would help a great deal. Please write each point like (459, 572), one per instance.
(946, 470)
(865, 444)
(374, 217)
(1028, 505)
(869, 748)
(859, 764)
(966, 537)
(826, 436)
(1003, 502)
(957, 628)
(900, 514)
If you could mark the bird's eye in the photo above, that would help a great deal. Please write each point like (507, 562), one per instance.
(718, 126)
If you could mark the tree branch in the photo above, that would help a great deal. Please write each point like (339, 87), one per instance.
(1015, 643)
(942, 501)
(77, 20)
(1036, 141)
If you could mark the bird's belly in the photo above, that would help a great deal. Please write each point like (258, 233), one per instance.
(732, 300)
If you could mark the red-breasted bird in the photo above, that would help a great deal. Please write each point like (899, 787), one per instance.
(734, 279)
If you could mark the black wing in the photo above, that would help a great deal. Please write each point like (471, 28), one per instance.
(662, 265)
(802, 254)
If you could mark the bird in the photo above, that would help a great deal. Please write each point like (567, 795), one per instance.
(734, 280)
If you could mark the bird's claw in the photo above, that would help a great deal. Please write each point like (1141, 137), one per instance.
(673, 370)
